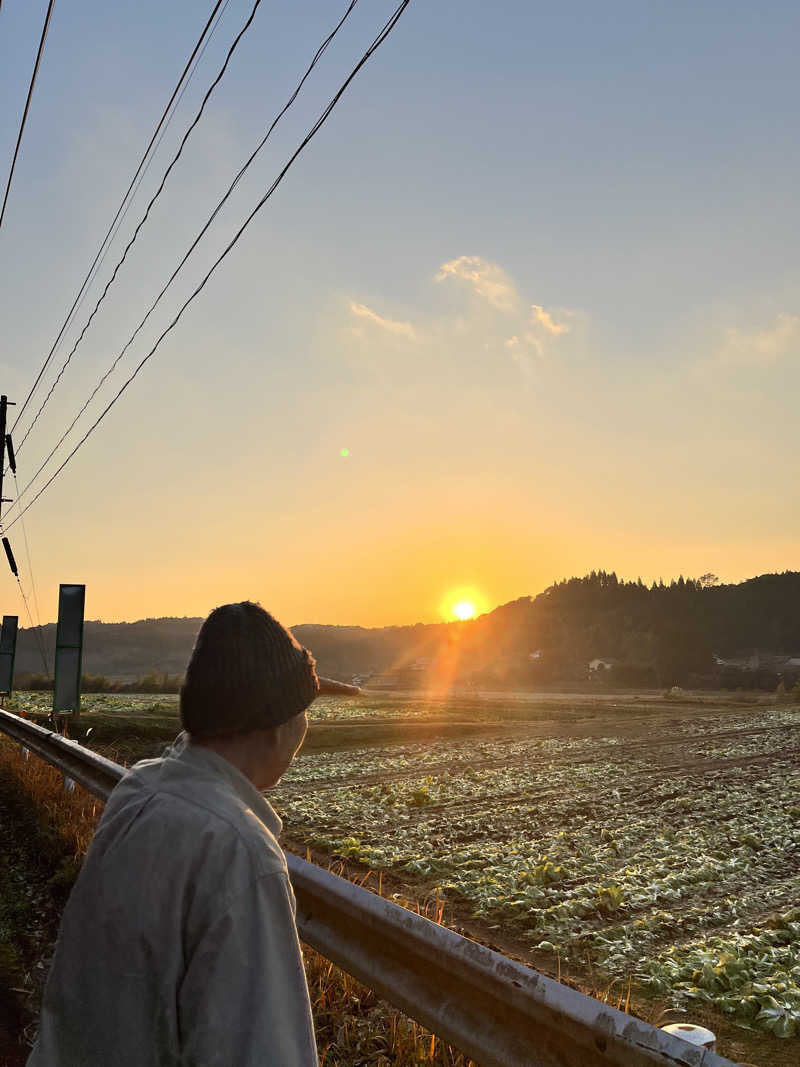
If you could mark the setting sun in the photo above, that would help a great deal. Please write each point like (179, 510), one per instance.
(463, 602)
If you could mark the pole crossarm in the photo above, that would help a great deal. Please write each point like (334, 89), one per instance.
(495, 1010)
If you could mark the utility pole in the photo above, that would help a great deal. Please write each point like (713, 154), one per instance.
(4, 441)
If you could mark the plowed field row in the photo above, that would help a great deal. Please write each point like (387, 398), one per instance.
(672, 861)
(624, 750)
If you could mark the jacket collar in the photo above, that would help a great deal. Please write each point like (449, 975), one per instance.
(205, 760)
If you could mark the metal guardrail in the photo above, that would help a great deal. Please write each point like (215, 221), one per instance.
(497, 1011)
(94, 772)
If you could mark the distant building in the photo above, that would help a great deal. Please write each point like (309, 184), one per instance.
(599, 665)
(760, 661)
(742, 663)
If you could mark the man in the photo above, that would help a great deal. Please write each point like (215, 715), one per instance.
(178, 945)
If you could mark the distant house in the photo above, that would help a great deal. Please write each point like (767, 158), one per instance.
(742, 663)
(763, 670)
(535, 655)
(760, 661)
(597, 666)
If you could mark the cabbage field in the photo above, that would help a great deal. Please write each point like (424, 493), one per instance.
(639, 839)
(669, 856)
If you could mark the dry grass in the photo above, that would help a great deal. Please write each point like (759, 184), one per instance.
(67, 814)
(354, 1027)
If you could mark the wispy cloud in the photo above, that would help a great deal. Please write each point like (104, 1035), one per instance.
(762, 348)
(538, 333)
(544, 319)
(492, 329)
(399, 329)
(488, 280)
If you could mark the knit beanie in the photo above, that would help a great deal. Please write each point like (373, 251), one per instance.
(246, 672)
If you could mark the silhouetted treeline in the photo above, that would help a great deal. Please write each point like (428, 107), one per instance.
(90, 683)
(671, 634)
(657, 635)
(125, 652)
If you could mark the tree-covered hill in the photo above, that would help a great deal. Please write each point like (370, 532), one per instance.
(651, 635)
(120, 650)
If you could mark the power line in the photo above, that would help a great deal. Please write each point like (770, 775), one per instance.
(12, 563)
(86, 280)
(38, 636)
(317, 56)
(45, 28)
(93, 272)
(147, 156)
(38, 630)
(144, 217)
(377, 42)
(6, 445)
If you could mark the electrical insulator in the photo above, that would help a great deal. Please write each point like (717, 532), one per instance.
(11, 561)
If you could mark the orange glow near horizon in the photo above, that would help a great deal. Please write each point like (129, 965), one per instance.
(463, 603)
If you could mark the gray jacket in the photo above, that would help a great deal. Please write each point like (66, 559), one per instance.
(178, 945)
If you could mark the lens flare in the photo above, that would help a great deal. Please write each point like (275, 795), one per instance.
(463, 602)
